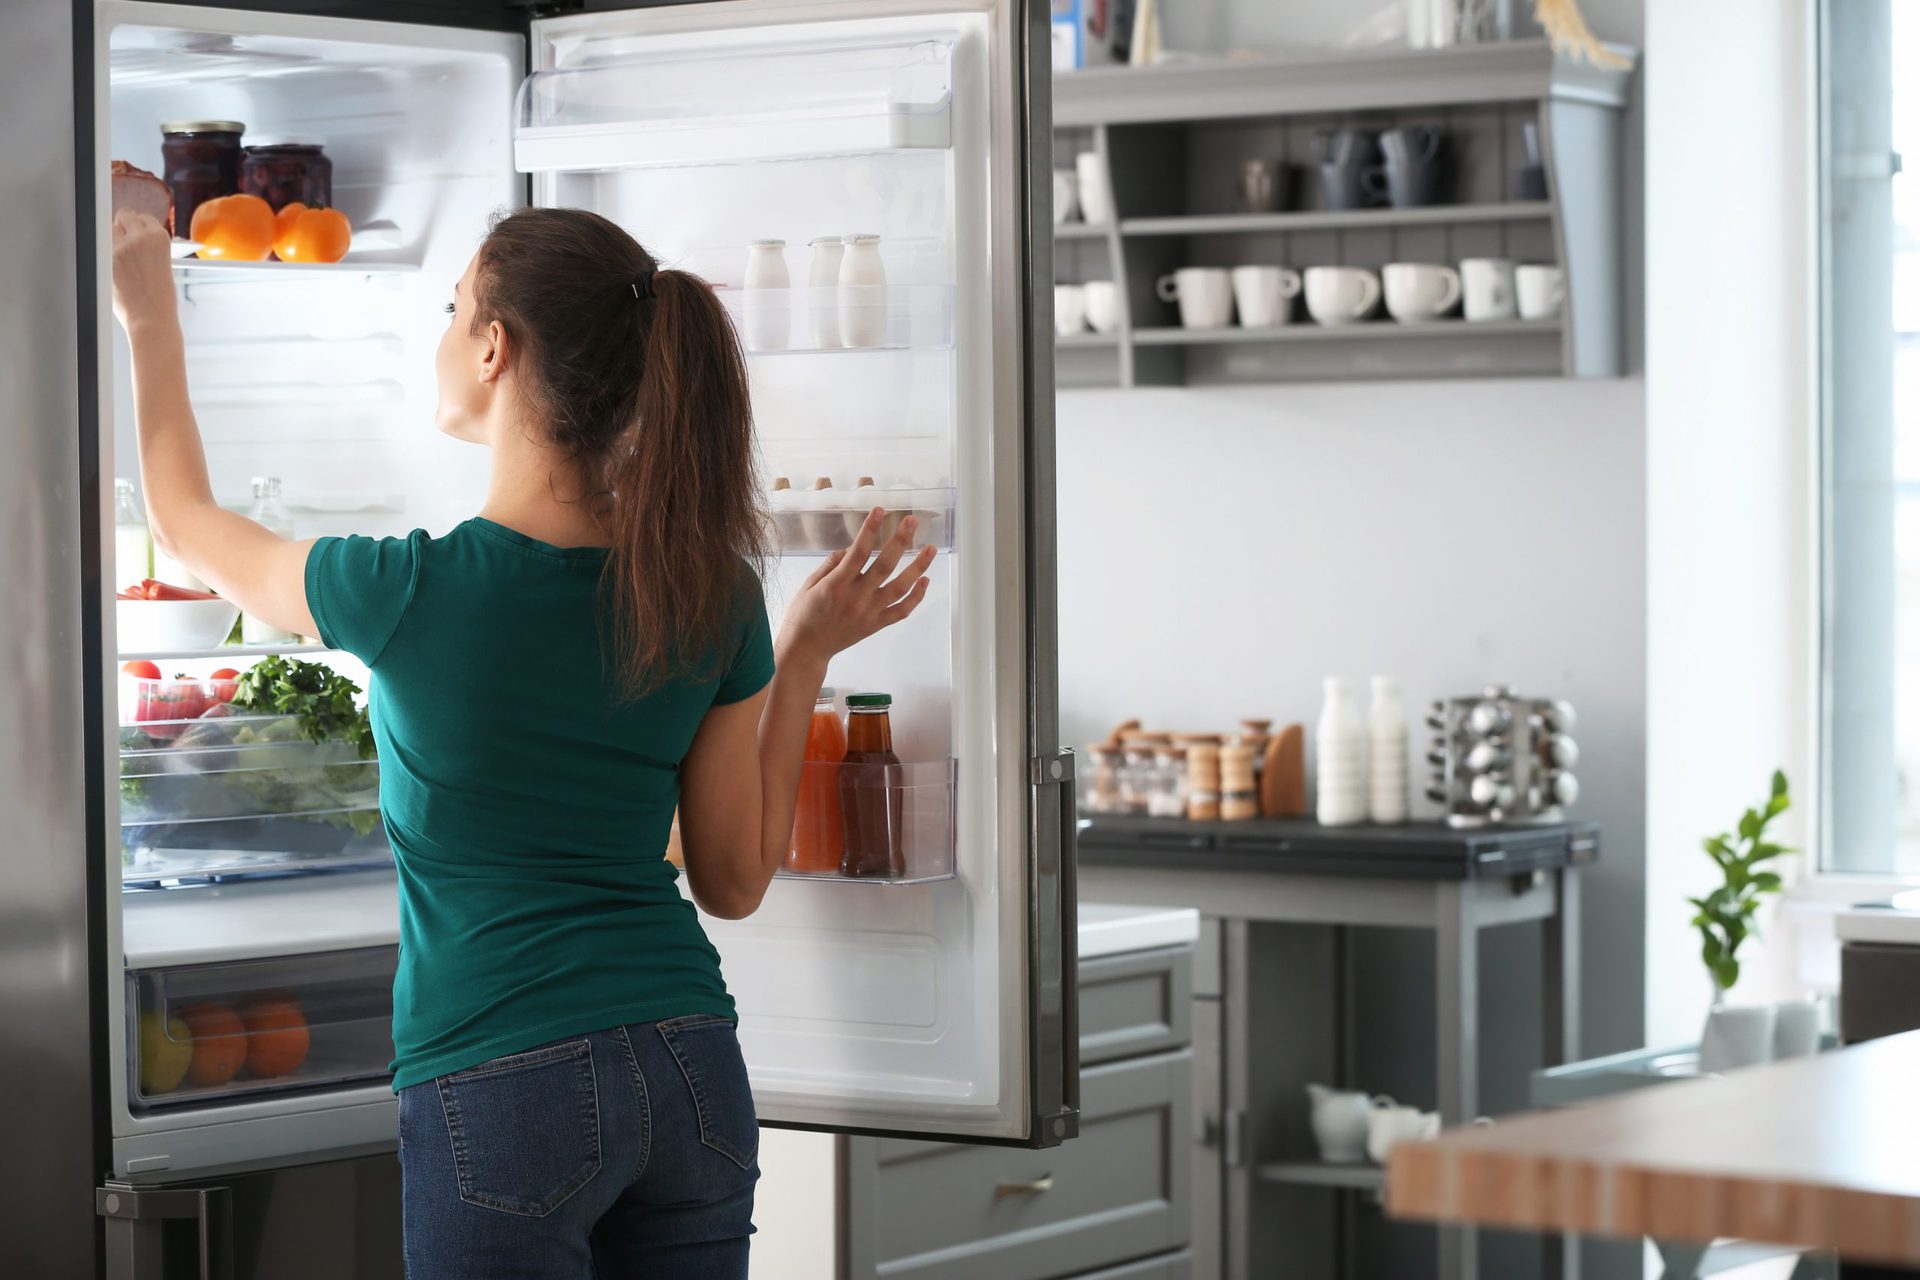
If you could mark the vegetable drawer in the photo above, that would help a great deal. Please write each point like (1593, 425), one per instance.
(215, 1032)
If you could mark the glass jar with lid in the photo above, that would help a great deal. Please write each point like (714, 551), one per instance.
(200, 161)
(1167, 792)
(1136, 776)
(283, 171)
(1103, 783)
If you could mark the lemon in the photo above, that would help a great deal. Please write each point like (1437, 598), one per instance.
(165, 1050)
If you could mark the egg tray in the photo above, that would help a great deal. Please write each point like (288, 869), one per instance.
(818, 531)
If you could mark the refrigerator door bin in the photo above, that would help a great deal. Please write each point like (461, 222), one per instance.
(687, 104)
(208, 1033)
(243, 795)
(816, 530)
(834, 321)
(905, 808)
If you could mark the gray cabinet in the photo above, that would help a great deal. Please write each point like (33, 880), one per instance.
(1112, 1204)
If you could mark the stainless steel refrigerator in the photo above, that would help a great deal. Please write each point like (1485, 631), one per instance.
(157, 871)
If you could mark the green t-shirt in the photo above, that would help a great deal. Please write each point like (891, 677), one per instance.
(527, 803)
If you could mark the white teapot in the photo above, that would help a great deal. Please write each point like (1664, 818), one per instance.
(1340, 1121)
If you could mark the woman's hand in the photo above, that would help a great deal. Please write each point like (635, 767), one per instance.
(142, 271)
(846, 599)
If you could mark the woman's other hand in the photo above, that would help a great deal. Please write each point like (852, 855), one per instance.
(142, 271)
(847, 599)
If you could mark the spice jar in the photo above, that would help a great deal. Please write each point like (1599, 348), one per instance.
(1103, 787)
(1238, 798)
(282, 171)
(1167, 797)
(1136, 776)
(200, 161)
(1203, 782)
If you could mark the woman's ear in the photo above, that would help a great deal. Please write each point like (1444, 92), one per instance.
(493, 357)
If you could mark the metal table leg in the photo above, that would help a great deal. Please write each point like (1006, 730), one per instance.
(1457, 971)
(1560, 1028)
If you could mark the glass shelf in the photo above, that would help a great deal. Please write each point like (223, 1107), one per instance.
(904, 808)
(224, 651)
(831, 321)
(816, 531)
(200, 271)
(220, 1032)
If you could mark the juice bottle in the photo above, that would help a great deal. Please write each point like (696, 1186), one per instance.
(817, 836)
(870, 791)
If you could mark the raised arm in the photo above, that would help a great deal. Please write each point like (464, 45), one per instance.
(252, 566)
(741, 777)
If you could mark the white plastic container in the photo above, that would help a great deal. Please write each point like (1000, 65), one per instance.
(824, 254)
(1341, 757)
(863, 293)
(1386, 753)
(132, 543)
(768, 315)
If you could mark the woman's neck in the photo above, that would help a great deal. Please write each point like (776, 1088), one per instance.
(535, 490)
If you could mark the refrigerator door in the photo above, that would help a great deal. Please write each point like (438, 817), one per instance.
(809, 136)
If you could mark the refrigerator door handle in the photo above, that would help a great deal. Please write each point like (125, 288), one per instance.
(1058, 1120)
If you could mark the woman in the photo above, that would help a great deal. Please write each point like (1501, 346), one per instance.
(550, 680)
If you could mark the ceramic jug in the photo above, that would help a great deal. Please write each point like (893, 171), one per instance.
(1339, 1120)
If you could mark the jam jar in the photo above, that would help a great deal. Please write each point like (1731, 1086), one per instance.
(200, 162)
(284, 170)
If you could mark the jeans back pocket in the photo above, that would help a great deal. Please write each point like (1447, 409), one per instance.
(708, 1051)
(525, 1128)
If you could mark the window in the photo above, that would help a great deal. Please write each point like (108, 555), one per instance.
(1870, 384)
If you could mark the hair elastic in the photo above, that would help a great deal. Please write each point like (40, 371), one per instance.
(643, 284)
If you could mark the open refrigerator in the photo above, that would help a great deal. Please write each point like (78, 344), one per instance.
(239, 899)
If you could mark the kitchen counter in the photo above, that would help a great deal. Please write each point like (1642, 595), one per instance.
(1108, 929)
(1410, 850)
(1815, 1152)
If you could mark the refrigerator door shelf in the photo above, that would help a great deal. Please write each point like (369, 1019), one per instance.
(842, 322)
(213, 1033)
(910, 810)
(689, 106)
(820, 530)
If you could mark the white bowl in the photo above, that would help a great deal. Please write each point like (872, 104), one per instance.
(157, 626)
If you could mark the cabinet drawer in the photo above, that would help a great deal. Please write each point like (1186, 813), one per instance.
(1119, 1191)
(1135, 1004)
(1172, 1266)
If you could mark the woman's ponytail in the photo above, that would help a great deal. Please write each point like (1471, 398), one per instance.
(639, 376)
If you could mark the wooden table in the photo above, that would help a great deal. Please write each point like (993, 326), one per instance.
(1823, 1153)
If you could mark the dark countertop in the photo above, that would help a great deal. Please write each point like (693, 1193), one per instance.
(1301, 846)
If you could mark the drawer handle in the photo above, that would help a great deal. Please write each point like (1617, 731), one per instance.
(1042, 1183)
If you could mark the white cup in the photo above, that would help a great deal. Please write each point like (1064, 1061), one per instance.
(1541, 290)
(1488, 286)
(1103, 305)
(1205, 295)
(1737, 1036)
(1264, 295)
(1066, 196)
(1341, 295)
(1069, 309)
(1420, 290)
(1389, 1125)
(1096, 204)
(1796, 1027)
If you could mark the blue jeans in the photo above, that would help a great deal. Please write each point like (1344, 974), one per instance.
(624, 1153)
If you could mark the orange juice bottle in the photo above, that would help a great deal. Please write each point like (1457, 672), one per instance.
(818, 835)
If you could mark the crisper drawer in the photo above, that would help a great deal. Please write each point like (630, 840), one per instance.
(1118, 1192)
(243, 795)
(210, 1033)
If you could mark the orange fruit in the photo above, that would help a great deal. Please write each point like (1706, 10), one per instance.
(234, 228)
(301, 234)
(219, 1043)
(276, 1037)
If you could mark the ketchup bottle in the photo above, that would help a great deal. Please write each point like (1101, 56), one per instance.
(870, 796)
(818, 839)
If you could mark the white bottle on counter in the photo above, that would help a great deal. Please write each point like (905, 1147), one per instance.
(863, 293)
(823, 280)
(1386, 754)
(769, 314)
(267, 512)
(1340, 756)
(132, 543)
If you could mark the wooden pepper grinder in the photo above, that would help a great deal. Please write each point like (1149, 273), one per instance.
(1238, 799)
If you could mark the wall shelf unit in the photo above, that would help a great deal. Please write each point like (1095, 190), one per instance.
(1174, 138)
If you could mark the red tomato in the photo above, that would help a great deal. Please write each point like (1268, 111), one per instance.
(164, 702)
(223, 684)
(142, 670)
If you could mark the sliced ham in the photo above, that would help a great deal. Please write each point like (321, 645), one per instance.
(134, 188)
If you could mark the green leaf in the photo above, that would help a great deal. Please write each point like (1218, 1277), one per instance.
(1779, 784)
(1766, 882)
(1749, 825)
(1726, 973)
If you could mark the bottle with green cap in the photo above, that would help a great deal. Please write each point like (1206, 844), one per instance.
(870, 797)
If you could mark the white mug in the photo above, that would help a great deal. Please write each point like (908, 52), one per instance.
(1389, 1125)
(1066, 196)
(1096, 204)
(1205, 295)
(1541, 289)
(1420, 290)
(1488, 285)
(1264, 295)
(1103, 305)
(1069, 309)
(1341, 295)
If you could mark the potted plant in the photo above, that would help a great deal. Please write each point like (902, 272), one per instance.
(1738, 1036)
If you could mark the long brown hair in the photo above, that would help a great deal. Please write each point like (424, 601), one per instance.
(637, 372)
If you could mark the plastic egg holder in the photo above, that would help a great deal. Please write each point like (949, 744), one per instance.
(818, 520)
